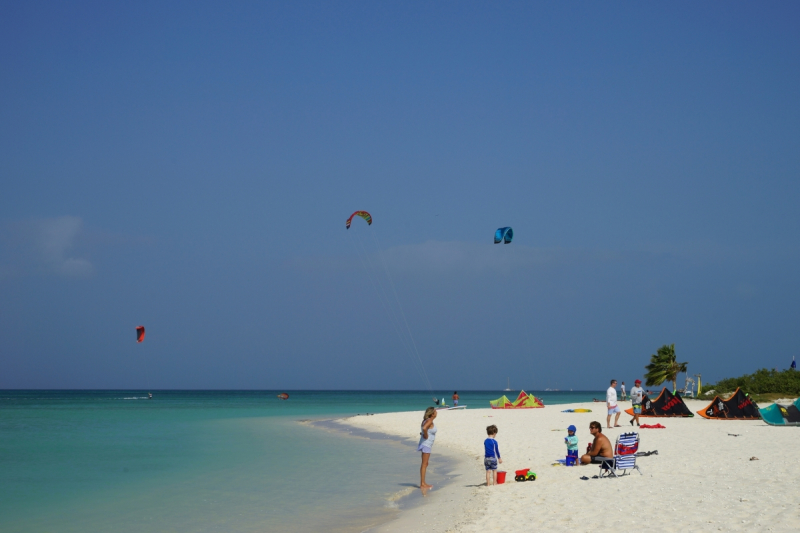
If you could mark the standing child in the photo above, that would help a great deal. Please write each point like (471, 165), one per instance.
(572, 444)
(491, 456)
(637, 394)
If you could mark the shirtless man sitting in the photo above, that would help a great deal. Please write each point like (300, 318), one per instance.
(601, 447)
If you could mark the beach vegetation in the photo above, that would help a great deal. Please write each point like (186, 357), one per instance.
(664, 367)
(762, 382)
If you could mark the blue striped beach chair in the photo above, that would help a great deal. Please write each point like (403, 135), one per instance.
(624, 456)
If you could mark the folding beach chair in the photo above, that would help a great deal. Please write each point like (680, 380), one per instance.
(624, 456)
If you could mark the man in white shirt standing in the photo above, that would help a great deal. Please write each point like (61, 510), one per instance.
(611, 403)
(622, 391)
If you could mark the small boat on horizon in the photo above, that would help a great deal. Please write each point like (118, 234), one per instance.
(508, 385)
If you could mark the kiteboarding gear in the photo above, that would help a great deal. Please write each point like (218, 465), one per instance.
(363, 214)
(738, 407)
(782, 415)
(385, 290)
(140, 334)
(523, 401)
(667, 405)
(504, 235)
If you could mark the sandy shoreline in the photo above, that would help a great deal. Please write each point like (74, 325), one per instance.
(702, 478)
(449, 467)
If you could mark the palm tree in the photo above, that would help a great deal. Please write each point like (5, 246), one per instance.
(663, 367)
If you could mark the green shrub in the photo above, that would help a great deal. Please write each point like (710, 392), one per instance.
(761, 382)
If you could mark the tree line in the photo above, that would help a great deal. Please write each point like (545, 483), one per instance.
(664, 366)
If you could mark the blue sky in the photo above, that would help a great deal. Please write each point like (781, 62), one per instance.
(189, 166)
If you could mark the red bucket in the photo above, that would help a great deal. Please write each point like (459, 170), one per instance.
(501, 477)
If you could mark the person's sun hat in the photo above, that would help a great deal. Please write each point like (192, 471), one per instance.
(638, 381)
(571, 428)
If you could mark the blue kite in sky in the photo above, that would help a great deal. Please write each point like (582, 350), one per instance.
(503, 234)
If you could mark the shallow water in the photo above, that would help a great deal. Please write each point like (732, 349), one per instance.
(204, 460)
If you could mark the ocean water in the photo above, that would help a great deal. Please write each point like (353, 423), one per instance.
(196, 461)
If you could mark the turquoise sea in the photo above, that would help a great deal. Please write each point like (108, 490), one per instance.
(99, 461)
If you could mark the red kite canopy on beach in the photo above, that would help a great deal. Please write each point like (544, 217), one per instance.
(523, 401)
(139, 333)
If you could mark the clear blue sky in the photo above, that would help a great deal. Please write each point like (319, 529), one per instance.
(189, 166)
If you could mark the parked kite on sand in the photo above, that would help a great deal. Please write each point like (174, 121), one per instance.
(739, 406)
(666, 405)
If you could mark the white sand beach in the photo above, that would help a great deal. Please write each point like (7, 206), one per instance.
(703, 478)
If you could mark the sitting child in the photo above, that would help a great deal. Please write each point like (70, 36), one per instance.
(572, 444)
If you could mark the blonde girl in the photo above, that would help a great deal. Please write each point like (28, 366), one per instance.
(427, 436)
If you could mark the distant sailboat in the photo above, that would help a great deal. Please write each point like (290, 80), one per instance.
(508, 385)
